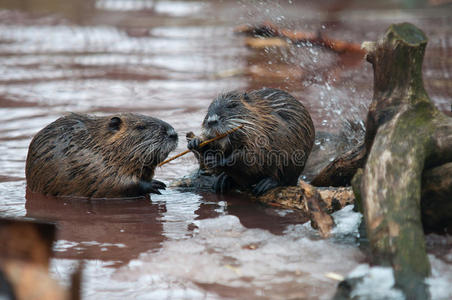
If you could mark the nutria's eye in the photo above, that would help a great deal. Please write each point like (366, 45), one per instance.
(140, 127)
(115, 123)
(232, 105)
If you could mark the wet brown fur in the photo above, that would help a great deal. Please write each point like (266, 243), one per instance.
(274, 123)
(87, 156)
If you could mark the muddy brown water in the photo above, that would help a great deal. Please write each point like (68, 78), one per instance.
(169, 59)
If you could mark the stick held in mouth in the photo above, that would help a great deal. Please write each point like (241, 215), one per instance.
(220, 136)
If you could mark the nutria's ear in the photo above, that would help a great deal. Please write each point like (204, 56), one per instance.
(115, 123)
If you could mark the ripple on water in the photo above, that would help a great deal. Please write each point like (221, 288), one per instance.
(12, 201)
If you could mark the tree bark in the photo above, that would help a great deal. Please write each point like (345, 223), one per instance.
(405, 134)
(315, 204)
(342, 169)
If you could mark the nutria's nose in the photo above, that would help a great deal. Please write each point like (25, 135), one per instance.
(212, 120)
(172, 134)
(212, 123)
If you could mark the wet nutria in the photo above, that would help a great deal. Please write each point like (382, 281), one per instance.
(99, 157)
(268, 151)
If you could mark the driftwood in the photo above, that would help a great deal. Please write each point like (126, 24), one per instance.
(342, 169)
(25, 253)
(275, 36)
(406, 136)
(316, 204)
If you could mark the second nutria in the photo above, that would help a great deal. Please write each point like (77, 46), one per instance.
(268, 151)
(99, 157)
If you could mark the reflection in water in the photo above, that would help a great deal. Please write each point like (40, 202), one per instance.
(110, 230)
(251, 214)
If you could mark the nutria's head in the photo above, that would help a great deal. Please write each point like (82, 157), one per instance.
(226, 112)
(231, 110)
(136, 139)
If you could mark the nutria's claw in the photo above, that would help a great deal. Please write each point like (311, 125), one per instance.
(151, 187)
(155, 191)
(222, 183)
(157, 184)
(193, 144)
(264, 186)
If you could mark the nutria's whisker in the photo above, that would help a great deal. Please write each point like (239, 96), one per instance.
(202, 144)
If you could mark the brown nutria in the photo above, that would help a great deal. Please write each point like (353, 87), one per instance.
(99, 157)
(268, 151)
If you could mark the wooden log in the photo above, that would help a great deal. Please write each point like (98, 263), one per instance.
(317, 205)
(27, 241)
(342, 169)
(25, 253)
(436, 201)
(295, 197)
(270, 31)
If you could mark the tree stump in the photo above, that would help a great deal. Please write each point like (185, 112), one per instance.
(406, 136)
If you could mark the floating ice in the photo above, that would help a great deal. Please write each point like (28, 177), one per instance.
(224, 252)
(441, 278)
(377, 283)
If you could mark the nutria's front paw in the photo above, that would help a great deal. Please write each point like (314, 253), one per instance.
(223, 183)
(264, 186)
(158, 185)
(152, 187)
(193, 144)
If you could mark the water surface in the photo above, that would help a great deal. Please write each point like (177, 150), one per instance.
(169, 59)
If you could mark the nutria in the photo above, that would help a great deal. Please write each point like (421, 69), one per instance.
(99, 157)
(270, 149)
